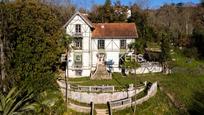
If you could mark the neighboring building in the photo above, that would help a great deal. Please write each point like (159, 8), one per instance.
(95, 43)
(129, 13)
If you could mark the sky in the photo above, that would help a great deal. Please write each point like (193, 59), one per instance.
(152, 3)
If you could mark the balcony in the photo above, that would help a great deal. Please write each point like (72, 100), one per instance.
(76, 48)
(77, 65)
(77, 43)
(77, 34)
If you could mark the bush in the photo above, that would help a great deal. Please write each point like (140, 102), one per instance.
(151, 56)
(191, 52)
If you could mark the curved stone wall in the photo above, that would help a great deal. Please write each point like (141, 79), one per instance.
(151, 92)
(99, 98)
(121, 104)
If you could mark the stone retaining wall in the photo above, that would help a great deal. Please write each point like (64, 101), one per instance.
(79, 108)
(99, 98)
(79, 88)
(93, 88)
(119, 106)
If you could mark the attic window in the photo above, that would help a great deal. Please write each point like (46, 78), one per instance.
(78, 28)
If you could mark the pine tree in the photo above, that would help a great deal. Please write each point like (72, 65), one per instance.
(107, 11)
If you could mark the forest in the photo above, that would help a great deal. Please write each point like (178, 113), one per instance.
(32, 40)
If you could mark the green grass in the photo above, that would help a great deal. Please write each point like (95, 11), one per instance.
(72, 112)
(157, 105)
(185, 62)
(117, 80)
(183, 85)
(98, 106)
(153, 45)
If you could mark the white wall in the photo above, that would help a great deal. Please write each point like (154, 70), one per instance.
(90, 48)
(98, 98)
(86, 47)
(111, 45)
(112, 50)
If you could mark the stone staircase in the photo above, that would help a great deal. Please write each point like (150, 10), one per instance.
(101, 73)
(102, 112)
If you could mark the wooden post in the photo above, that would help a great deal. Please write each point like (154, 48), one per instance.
(66, 77)
(89, 88)
(92, 108)
(109, 108)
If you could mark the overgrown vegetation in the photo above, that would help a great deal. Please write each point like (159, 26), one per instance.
(32, 41)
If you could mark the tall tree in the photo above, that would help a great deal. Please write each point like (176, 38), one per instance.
(66, 41)
(165, 51)
(120, 12)
(34, 35)
(3, 42)
(107, 11)
(132, 64)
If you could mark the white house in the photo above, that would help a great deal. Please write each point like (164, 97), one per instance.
(96, 43)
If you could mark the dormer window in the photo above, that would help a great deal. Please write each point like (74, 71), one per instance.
(78, 28)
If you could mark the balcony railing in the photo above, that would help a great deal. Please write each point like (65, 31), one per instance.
(77, 65)
(77, 34)
(76, 48)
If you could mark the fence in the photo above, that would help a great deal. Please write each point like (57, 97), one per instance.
(79, 108)
(121, 104)
(93, 88)
(78, 88)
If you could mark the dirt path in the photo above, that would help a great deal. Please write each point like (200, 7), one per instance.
(181, 107)
(101, 112)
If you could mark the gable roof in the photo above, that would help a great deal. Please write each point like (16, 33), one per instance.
(85, 18)
(114, 30)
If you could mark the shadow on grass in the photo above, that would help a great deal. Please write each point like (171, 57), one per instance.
(197, 106)
(121, 84)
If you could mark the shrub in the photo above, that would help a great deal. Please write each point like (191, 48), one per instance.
(191, 52)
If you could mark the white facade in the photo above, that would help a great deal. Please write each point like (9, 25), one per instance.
(87, 55)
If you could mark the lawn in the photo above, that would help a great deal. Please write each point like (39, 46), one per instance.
(71, 112)
(157, 105)
(185, 85)
(119, 81)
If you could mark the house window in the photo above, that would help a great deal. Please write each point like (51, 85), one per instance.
(78, 60)
(78, 28)
(101, 44)
(78, 43)
(122, 44)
